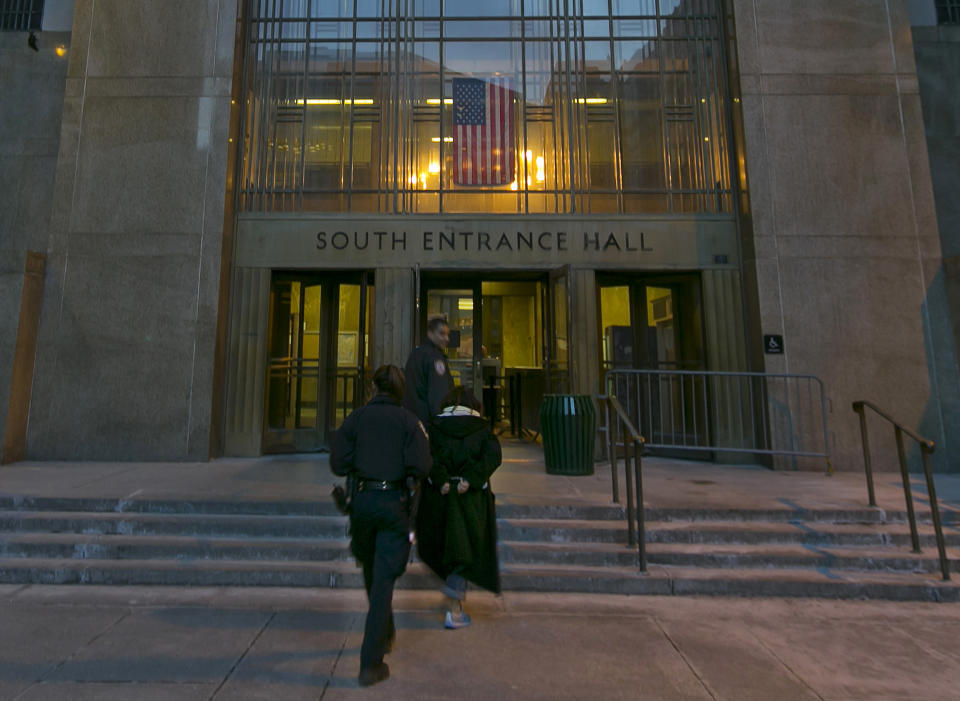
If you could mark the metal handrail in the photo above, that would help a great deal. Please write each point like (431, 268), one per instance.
(634, 481)
(926, 448)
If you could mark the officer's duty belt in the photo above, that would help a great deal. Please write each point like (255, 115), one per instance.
(380, 485)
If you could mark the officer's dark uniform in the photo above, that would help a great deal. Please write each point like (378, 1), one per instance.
(383, 444)
(428, 381)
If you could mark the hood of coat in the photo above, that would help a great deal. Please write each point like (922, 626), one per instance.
(459, 422)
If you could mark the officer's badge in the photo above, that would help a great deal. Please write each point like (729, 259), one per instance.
(439, 367)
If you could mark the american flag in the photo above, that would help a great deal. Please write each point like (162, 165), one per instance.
(483, 131)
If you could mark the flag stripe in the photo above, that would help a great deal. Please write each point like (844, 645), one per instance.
(483, 131)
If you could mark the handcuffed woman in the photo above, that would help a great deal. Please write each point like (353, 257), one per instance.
(457, 521)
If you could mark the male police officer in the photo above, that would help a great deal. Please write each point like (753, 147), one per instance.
(382, 444)
(428, 374)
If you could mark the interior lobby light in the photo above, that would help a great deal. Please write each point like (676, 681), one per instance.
(329, 101)
(592, 100)
(436, 101)
(413, 180)
(513, 185)
(434, 167)
(436, 139)
(465, 304)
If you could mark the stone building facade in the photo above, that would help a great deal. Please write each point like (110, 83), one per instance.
(218, 216)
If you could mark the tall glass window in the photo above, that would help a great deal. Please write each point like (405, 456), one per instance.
(501, 106)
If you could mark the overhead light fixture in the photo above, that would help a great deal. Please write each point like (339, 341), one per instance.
(330, 101)
(465, 304)
(437, 101)
(592, 100)
(436, 139)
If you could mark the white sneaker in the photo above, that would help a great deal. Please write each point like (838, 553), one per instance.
(456, 620)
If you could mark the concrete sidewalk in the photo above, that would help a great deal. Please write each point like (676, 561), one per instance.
(150, 643)
(674, 484)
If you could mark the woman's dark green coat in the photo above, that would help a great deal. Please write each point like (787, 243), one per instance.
(459, 531)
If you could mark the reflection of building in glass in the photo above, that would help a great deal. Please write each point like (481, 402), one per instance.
(617, 114)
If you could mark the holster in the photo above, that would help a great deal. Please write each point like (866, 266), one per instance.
(343, 496)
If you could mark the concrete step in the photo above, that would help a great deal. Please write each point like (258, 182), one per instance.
(540, 530)
(190, 548)
(278, 526)
(250, 507)
(169, 547)
(512, 508)
(661, 580)
(670, 580)
(726, 556)
(570, 530)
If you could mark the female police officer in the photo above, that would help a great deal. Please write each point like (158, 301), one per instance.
(382, 444)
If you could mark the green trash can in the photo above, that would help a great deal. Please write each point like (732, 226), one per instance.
(568, 423)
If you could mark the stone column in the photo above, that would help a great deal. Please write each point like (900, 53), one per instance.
(725, 347)
(31, 85)
(247, 361)
(847, 250)
(584, 350)
(393, 316)
(127, 333)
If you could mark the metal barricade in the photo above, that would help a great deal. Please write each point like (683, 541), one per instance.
(725, 412)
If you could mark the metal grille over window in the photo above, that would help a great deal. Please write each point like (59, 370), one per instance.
(594, 107)
(948, 11)
(20, 15)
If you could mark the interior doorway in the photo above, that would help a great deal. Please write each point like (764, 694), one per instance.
(318, 363)
(651, 324)
(502, 338)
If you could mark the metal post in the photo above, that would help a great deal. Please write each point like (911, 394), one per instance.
(867, 466)
(914, 537)
(935, 513)
(641, 530)
(612, 450)
(519, 405)
(631, 513)
(513, 404)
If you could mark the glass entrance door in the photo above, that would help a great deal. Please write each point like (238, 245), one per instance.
(318, 357)
(653, 324)
(460, 307)
(498, 345)
(650, 323)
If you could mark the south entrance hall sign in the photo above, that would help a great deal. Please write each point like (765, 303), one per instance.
(298, 242)
(481, 241)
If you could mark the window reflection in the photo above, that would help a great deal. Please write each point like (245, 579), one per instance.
(616, 109)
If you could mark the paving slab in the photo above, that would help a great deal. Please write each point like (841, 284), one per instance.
(34, 641)
(295, 656)
(711, 645)
(251, 643)
(117, 692)
(860, 660)
(178, 644)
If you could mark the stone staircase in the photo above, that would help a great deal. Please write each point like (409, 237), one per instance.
(569, 547)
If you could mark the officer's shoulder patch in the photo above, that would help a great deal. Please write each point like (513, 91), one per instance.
(439, 367)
